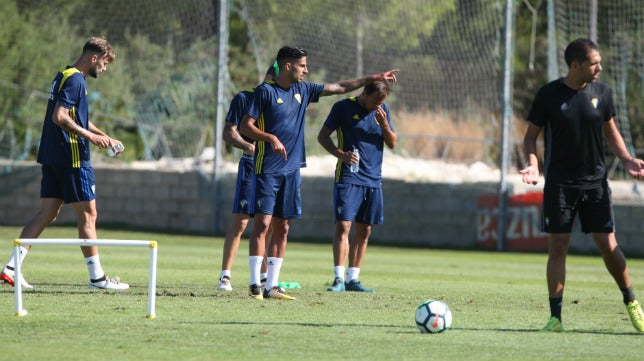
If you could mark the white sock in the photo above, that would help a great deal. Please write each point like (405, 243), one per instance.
(12, 260)
(339, 271)
(274, 267)
(255, 263)
(353, 273)
(224, 273)
(263, 276)
(94, 267)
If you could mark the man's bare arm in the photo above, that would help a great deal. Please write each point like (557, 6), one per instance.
(62, 119)
(390, 138)
(615, 141)
(232, 136)
(345, 86)
(248, 128)
(531, 171)
(324, 138)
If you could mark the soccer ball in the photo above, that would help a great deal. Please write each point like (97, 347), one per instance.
(433, 316)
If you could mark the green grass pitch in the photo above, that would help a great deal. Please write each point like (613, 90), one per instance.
(498, 300)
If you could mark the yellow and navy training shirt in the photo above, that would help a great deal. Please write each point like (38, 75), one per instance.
(281, 112)
(58, 147)
(357, 128)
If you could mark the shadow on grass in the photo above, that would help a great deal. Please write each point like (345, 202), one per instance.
(538, 331)
(413, 330)
(77, 288)
(306, 324)
(72, 289)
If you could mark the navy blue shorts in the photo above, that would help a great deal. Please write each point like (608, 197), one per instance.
(69, 184)
(593, 205)
(357, 203)
(279, 194)
(245, 190)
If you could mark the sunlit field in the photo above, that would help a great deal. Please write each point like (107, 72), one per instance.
(498, 301)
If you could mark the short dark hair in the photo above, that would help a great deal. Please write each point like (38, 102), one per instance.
(289, 53)
(99, 45)
(381, 87)
(578, 50)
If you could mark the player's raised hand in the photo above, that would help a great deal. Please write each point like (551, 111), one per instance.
(389, 76)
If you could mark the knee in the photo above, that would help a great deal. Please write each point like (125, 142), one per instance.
(557, 252)
(367, 233)
(363, 231)
(88, 217)
(282, 230)
(607, 244)
(280, 225)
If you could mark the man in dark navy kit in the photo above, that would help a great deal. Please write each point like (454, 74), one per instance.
(577, 114)
(64, 153)
(362, 125)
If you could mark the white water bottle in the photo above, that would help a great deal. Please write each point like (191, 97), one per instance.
(115, 149)
(355, 167)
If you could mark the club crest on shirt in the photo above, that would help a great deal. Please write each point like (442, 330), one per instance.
(594, 102)
(280, 101)
(356, 117)
(298, 97)
(564, 106)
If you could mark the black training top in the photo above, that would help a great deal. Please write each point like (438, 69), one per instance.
(573, 131)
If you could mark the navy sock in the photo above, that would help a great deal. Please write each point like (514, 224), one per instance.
(555, 307)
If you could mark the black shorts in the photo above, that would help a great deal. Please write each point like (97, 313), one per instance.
(593, 205)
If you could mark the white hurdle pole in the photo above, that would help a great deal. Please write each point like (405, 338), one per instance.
(152, 279)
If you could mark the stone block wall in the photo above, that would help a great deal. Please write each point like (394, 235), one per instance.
(432, 215)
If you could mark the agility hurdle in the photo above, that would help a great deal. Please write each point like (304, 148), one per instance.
(152, 279)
